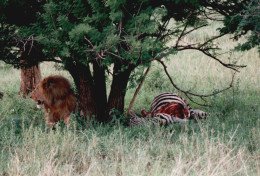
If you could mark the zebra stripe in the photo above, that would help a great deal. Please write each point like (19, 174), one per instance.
(169, 119)
(167, 97)
(160, 100)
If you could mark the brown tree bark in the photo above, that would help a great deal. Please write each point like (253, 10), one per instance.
(92, 96)
(30, 77)
(85, 86)
(118, 88)
(30, 69)
(1, 95)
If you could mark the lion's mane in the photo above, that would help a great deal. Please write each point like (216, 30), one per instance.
(55, 93)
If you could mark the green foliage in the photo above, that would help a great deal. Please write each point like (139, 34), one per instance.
(132, 31)
(61, 27)
(244, 21)
(96, 31)
(250, 21)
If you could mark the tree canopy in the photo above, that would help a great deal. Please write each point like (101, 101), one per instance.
(88, 37)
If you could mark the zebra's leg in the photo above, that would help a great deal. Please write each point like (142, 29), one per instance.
(158, 120)
(197, 113)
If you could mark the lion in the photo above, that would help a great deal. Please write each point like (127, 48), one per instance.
(55, 93)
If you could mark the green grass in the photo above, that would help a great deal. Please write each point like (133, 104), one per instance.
(226, 143)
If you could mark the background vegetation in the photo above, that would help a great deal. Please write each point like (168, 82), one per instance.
(226, 143)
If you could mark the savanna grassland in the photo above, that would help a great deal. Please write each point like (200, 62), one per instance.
(225, 143)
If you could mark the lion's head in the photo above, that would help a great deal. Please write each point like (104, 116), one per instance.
(51, 91)
(37, 96)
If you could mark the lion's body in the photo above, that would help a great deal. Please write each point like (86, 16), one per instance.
(55, 93)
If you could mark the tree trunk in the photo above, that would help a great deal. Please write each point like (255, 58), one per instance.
(92, 96)
(30, 71)
(118, 88)
(30, 77)
(1, 95)
(84, 84)
(100, 92)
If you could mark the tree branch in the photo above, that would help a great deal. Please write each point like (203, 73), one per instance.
(204, 51)
(179, 38)
(188, 93)
(137, 90)
(101, 56)
(210, 40)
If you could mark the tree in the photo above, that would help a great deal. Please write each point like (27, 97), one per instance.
(25, 14)
(93, 39)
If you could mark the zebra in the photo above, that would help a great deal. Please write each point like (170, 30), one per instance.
(164, 99)
(167, 108)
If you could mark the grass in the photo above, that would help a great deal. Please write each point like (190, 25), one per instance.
(226, 143)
